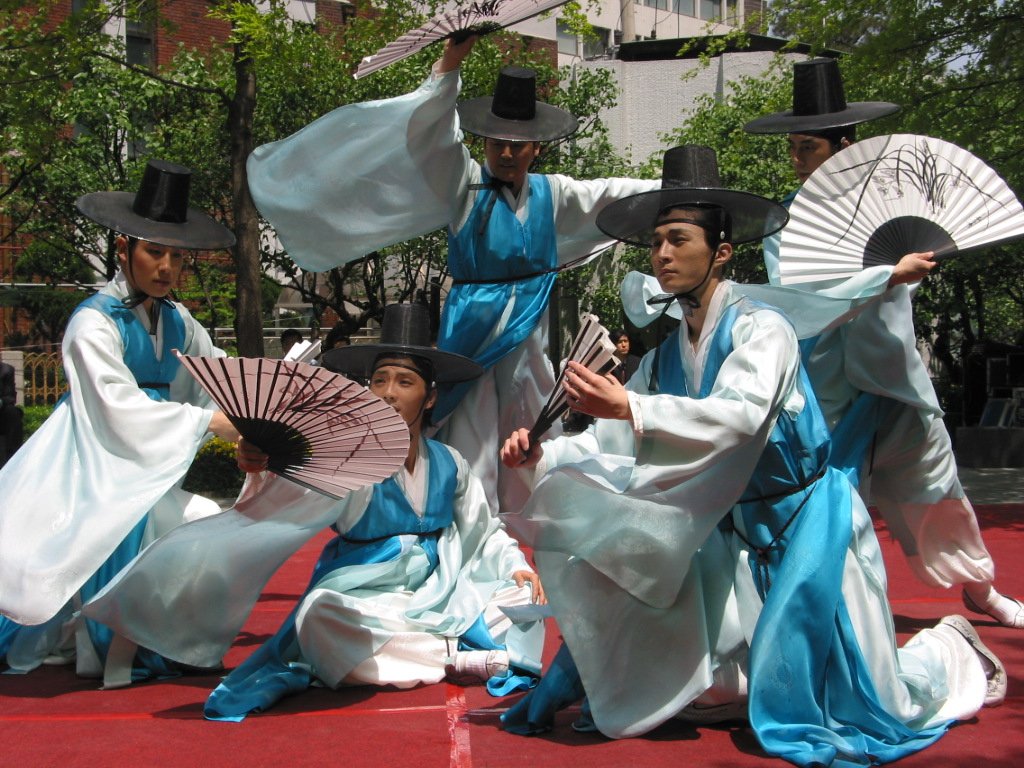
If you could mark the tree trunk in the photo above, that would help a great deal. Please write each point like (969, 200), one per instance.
(248, 309)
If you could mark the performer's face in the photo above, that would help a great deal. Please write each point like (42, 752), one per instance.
(153, 268)
(402, 389)
(510, 161)
(807, 152)
(680, 255)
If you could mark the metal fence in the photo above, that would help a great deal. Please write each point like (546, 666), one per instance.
(44, 378)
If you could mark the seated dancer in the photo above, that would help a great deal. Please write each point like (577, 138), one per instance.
(370, 175)
(411, 590)
(910, 472)
(102, 477)
(700, 514)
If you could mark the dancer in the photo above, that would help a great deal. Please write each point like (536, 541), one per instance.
(413, 587)
(910, 474)
(102, 477)
(370, 175)
(699, 515)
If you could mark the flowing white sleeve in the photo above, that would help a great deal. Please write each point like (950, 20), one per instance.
(577, 204)
(365, 176)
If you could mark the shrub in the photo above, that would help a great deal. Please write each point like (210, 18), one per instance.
(214, 471)
(35, 415)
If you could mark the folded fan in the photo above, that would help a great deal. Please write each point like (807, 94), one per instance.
(318, 428)
(887, 196)
(458, 19)
(593, 348)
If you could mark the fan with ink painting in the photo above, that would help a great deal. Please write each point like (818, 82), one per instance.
(888, 196)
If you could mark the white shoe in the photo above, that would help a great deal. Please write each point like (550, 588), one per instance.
(1006, 610)
(995, 672)
(475, 667)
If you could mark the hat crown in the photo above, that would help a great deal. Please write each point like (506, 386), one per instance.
(817, 87)
(515, 94)
(690, 166)
(163, 192)
(405, 325)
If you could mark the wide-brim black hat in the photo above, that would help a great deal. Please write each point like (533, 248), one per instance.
(405, 332)
(513, 113)
(689, 178)
(819, 103)
(159, 212)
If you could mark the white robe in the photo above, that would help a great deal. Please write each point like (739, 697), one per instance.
(210, 573)
(106, 456)
(656, 603)
(911, 475)
(370, 175)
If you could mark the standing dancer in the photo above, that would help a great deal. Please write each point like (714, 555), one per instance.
(702, 558)
(370, 175)
(910, 472)
(102, 477)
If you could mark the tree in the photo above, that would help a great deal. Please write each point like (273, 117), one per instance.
(957, 69)
(207, 110)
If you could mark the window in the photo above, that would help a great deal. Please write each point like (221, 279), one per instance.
(139, 37)
(566, 38)
(684, 7)
(711, 10)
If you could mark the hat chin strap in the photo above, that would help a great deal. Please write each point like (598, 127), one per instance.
(685, 298)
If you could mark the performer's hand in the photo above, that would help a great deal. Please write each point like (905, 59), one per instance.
(516, 451)
(912, 268)
(455, 53)
(594, 394)
(222, 427)
(524, 577)
(249, 457)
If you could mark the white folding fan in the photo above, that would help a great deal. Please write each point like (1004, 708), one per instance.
(888, 196)
(458, 19)
(593, 348)
(318, 428)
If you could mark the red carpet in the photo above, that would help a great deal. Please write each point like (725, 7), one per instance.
(53, 718)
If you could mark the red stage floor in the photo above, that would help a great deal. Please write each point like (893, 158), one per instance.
(52, 718)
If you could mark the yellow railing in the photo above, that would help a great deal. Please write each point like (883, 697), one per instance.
(44, 378)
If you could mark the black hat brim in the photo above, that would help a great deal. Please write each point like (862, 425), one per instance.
(358, 360)
(854, 114)
(633, 219)
(114, 210)
(548, 124)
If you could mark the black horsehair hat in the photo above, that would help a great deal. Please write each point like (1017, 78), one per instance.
(159, 212)
(405, 332)
(513, 113)
(689, 179)
(819, 103)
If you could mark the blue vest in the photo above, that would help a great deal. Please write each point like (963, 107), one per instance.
(389, 513)
(495, 246)
(152, 375)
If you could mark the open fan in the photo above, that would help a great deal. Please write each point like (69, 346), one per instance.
(888, 196)
(457, 19)
(594, 349)
(319, 429)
